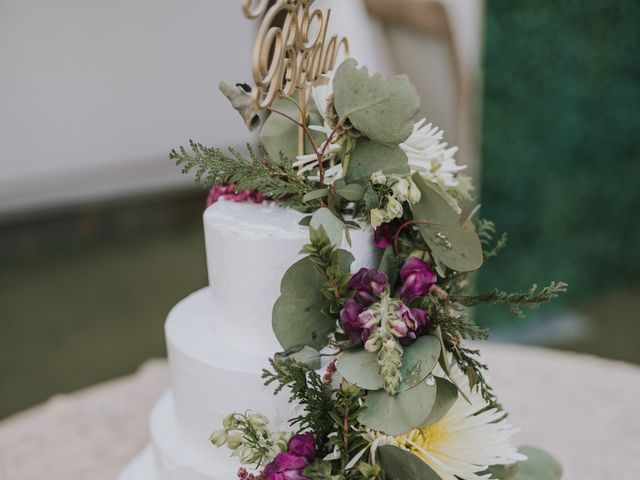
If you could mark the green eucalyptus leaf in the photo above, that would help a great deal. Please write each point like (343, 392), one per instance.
(539, 465)
(502, 472)
(352, 192)
(389, 265)
(305, 221)
(401, 413)
(307, 355)
(447, 394)
(419, 360)
(360, 368)
(369, 157)
(382, 110)
(280, 134)
(315, 194)
(298, 317)
(332, 225)
(453, 240)
(399, 464)
(243, 103)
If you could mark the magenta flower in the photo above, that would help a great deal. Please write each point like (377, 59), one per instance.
(349, 319)
(417, 278)
(367, 282)
(290, 465)
(303, 445)
(286, 466)
(413, 323)
(383, 235)
(228, 192)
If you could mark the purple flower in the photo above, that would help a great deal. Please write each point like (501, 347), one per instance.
(349, 318)
(417, 278)
(286, 466)
(383, 235)
(228, 192)
(303, 445)
(412, 323)
(289, 465)
(367, 282)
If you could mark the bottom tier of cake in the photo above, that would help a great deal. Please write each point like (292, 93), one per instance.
(173, 456)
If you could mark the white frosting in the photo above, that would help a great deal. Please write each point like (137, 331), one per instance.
(249, 248)
(219, 339)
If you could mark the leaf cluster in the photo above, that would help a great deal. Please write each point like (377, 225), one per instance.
(275, 179)
(308, 389)
(325, 257)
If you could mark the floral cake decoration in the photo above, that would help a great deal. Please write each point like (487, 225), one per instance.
(376, 361)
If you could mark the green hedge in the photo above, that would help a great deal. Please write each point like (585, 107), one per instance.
(561, 143)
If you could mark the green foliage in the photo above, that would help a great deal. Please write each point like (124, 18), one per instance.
(332, 264)
(275, 179)
(348, 407)
(407, 410)
(298, 316)
(279, 134)
(418, 361)
(382, 110)
(539, 465)
(560, 144)
(332, 225)
(307, 389)
(369, 157)
(451, 239)
(515, 301)
(360, 368)
(398, 464)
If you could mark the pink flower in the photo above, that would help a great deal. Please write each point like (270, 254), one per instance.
(411, 324)
(417, 278)
(303, 445)
(228, 192)
(367, 282)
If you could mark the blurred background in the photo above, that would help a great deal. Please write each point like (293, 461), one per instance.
(100, 235)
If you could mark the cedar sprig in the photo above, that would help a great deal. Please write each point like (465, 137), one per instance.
(326, 259)
(308, 389)
(491, 247)
(275, 179)
(516, 302)
(348, 407)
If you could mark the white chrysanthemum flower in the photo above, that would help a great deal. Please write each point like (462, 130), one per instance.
(432, 157)
(467, 440)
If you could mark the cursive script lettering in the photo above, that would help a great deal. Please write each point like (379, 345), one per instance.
(289, 58)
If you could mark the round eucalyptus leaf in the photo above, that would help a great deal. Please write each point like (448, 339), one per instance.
(419, 360)
(297, 317)
(539, 465)
(360, 368)
(447, 394)
(333, 226)
(453, 240)
(369, 157)
(399, 464)
(352, 192)
(307, 355)
(383, 110)
(280, 134)
(401, 413)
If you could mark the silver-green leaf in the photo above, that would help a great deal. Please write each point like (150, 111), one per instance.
(399, 464)
(333, 226)
(451, 238)
(419, 360)
(382, 110)
(360, 368)
(369, 157)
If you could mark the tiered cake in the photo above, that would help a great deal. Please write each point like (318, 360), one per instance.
(220, 337)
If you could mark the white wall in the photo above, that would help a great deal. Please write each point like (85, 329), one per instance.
(94, 93)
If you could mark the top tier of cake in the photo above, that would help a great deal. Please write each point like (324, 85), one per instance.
(249, 248)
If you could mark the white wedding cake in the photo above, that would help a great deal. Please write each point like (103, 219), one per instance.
(220, 338)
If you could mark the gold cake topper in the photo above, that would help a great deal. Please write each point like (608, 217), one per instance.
(288, 59)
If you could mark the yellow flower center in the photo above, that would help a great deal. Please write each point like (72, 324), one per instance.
(425, 438)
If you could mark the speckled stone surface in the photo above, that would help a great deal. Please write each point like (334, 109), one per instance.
(581, 408)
